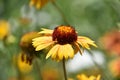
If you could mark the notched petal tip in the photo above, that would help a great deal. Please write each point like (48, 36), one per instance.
(46, 31)
(95, 45)
(37, 49)
(85, 42)
(43, 29)
(34, 39)
(47, 57)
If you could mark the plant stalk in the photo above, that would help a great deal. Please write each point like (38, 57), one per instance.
(64, 69)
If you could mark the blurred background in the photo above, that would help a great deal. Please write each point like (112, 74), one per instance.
(97, 19)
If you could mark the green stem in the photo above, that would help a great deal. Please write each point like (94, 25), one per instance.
(64, 69)
(61, 12)
(37, 64)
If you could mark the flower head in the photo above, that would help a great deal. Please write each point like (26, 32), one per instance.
(26, 46)
(38, 3)
(65, 42)
(84, 77)
(22, 66)
(4, 29)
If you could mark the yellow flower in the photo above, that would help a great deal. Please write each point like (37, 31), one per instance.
(38, 3)
(84, 77)
(65, 42)
(26, 45)
(4, 29)
(23, 66)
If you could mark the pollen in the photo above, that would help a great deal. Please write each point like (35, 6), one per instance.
(64, 34)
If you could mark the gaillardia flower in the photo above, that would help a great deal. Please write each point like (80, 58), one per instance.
(38, 3)
(4, 29)
(84, 77)
(22, 66)
(64, 40)
(27, 48)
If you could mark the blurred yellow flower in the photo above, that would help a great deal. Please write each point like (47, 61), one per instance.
(22, 66)
(38, 3)
(26, 39)
(84, 77)
(4, 29)
(26, 46)
(64, 40)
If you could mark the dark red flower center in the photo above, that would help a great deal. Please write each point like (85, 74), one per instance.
(64, 34)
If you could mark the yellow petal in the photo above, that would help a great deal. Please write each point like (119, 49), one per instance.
(42, 46)
(85, 42)
(60, 52)
(38, 4)
(55, 55)
(92, 78)
(82, 77)
(32, 2)
(98, 77)
(46, 31)
(65, 51)
(41, 40)
(23, 66)
(69, 50)
(53, 51)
